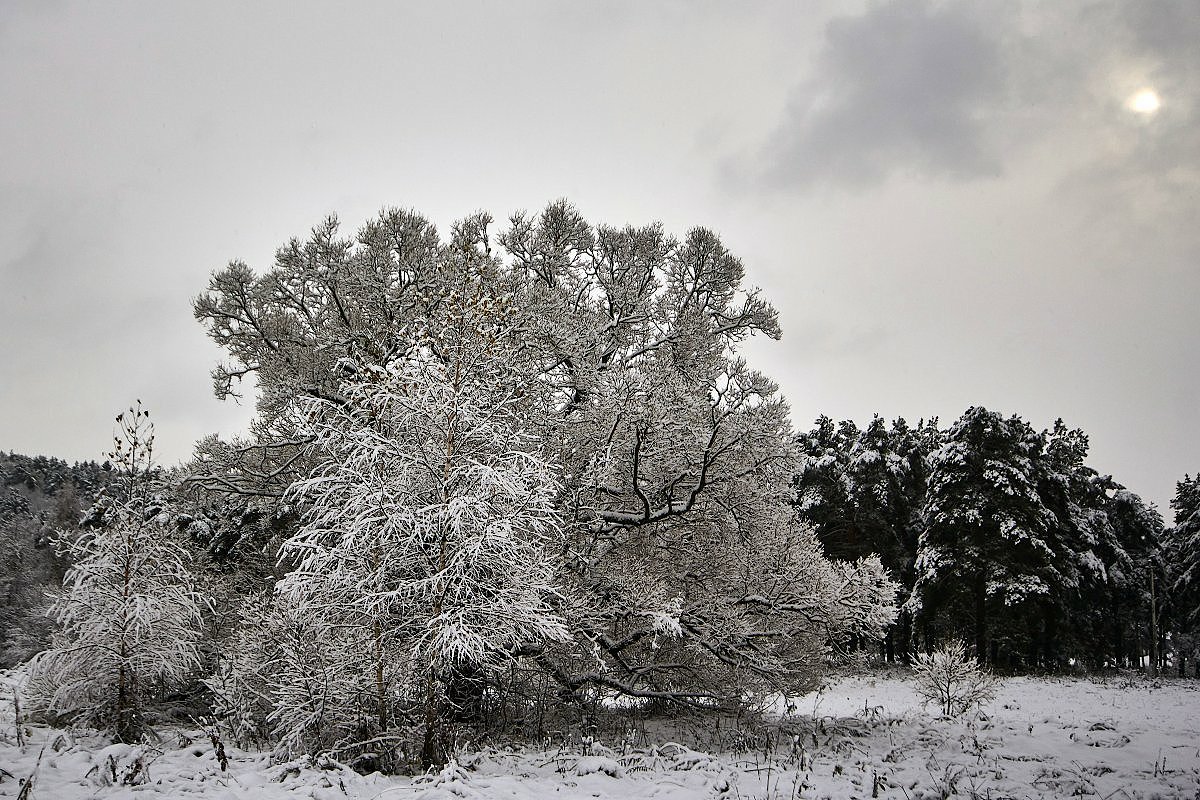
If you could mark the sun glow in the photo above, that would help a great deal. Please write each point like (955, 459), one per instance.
(1144, 102)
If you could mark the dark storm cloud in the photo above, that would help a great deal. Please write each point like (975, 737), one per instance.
(962, 91)
(904, 87)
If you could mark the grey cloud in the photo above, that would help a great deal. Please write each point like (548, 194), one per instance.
(904, 87)
(1138, 184)
(961, 91)
(1168, 28)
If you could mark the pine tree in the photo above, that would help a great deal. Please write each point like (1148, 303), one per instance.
(988, 550)
(863, 491)
(1182, 556)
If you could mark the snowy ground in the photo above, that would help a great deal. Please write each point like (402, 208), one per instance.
(862, 737)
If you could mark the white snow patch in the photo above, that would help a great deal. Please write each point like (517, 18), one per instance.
(859, 737)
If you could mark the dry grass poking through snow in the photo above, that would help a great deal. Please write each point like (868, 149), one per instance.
(1115, 739)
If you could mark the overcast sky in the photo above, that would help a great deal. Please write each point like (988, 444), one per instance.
(950, 203)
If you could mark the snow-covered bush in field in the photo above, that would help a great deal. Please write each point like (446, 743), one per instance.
(296, 678)
(122, 765)
(950, 678)
(129, 613)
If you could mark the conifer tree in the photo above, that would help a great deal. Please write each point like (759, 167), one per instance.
(1182, 549)
(863, 491)
(987, 549)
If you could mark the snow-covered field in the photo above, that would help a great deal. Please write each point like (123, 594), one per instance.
(861, 737)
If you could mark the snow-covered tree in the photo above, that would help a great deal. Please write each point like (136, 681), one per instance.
(988, 549)
(1137, 579)
(863, 491)
(678, 467)
(953, 680)
(129, 614)
(303, 679)
(1108, 545)
(674, 458)
(430, 533)
(1182, 556)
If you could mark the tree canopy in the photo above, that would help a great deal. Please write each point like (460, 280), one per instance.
(680, 571)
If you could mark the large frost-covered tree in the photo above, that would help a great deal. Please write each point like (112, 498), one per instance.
(129, 614)
(683, 576)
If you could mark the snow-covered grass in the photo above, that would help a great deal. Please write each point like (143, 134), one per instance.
(860, 737)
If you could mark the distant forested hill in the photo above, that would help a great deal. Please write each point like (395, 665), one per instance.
(38, 495)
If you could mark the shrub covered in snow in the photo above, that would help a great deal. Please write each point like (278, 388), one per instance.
(952, 679)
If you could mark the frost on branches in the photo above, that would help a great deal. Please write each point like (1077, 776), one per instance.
(950, 678)
(429, 539)
(129, 613)
(634, 474)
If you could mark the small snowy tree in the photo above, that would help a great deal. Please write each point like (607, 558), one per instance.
(429, 533)
(129, 613)
(952, 679)
(303, 677)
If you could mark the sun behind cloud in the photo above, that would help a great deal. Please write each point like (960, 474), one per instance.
(1144, 101)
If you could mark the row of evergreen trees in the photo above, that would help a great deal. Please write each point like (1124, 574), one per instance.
(1002, 535)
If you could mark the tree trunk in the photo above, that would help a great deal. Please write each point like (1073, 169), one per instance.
(380, 683)
(466, 695)
(1118, 638)
(126, 696)
(981, 652)
(1049, 642)
(431, 749)
(1153, 630)
(124, 726)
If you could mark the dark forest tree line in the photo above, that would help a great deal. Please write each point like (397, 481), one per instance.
(40, 498)
(1001, 535)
